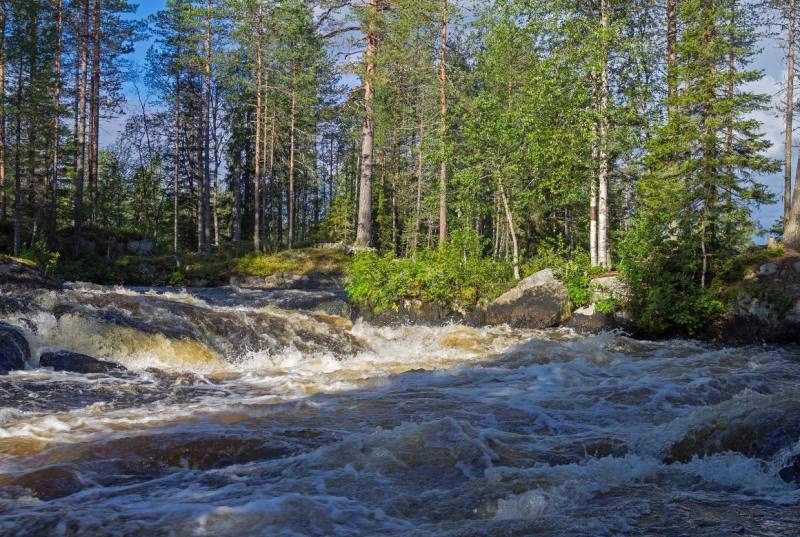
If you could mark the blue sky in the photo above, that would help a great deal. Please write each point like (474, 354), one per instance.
(770, 60)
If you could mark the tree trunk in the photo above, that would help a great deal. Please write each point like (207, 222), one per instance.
(18, 166)
(787, 193)
(791, 234)
(603, 250)
(511, 230)
(207, 139)
(593, 204)
(672, 56)
(364, 235)
(291, 166)
(443, 142)
(420, 170)
(272, 215)
(3, 199)
(53, 220)
(257, 183)
(215, 137)
(81, 133)
(176, 170)
(263, 185)
(94, 127)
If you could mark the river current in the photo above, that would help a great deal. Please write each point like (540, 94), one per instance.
(238, 417)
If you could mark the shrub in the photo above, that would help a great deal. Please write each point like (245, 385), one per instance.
(455, 275)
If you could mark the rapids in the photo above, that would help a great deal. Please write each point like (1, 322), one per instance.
(239, 416)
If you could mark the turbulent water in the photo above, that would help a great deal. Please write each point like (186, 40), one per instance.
(237, 417)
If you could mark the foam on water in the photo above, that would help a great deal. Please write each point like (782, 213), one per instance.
(421, 431)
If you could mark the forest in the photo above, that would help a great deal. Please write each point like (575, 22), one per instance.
(617, 134)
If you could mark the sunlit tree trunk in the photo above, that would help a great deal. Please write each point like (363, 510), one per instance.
(259, 117)
(364, 235)
(603, 250)
(443, 142)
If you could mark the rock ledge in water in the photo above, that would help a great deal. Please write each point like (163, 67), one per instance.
(17, 276)
(61, 360)
(14, 349)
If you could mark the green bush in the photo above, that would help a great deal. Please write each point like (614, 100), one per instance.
(454, 275)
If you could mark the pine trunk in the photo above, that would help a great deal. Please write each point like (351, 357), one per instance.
(80, 170)
(257, 181)
(53, 220)
(364, 235)
(443, 142)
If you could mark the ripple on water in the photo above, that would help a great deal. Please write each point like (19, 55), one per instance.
(418, 431)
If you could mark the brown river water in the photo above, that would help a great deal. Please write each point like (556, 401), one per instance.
(239, 417)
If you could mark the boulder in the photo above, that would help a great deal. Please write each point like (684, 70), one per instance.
(609, 287)
(415, 312)
(538, 301)
(14, 349)
(61, 360)
(17, 276)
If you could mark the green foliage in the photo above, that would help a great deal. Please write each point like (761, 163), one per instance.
(455, 275)
(664, 281)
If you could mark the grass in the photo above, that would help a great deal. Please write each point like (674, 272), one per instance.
(297, 262)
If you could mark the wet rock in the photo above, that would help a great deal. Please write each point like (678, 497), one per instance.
(16, 276)
(14, 349)
(754, 432)
(124, 323)
(338, 307)
(538, 301)
(61, 360)
(589, 320)
(791, 472)
(414, 312)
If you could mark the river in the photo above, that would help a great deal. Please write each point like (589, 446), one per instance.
(237, 417)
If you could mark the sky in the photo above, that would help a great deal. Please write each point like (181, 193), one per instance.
(770, 60)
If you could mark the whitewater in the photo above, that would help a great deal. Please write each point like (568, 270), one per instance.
(239, 414)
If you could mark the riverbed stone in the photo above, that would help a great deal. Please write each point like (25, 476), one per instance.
(539, 301)
(61, 360)
(14, 348)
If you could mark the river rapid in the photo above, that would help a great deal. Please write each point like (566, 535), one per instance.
(239, 417)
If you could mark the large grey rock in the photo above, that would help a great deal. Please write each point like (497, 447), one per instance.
(61, 360)
(609, 287)
(538, 301)
(14, 349)
(768, 269)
